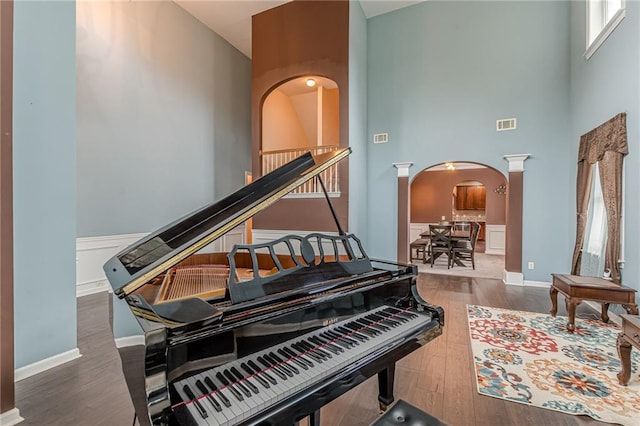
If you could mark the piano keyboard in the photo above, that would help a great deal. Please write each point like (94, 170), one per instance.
(238, 390)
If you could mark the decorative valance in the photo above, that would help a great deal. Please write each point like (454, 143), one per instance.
(609, 136)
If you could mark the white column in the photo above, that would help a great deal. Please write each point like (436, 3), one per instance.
(516, 161)
(403, 168)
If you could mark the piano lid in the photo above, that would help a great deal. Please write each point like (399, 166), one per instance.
(154, 254)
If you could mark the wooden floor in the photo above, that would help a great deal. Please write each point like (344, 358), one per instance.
(438, 378)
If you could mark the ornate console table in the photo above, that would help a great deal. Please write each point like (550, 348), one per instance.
(576, 288)
(629, 337)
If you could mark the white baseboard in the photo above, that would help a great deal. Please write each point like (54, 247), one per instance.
(530, 283)
(123, 342)
(45, 364)
(10, 418)
(91, 287)
(513, 278)
(494, 252)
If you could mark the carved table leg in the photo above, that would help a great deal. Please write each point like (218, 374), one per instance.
(631, 309)
(385, 386)
(553, 293)
(605, 312)
(624, 351)
(571, 309)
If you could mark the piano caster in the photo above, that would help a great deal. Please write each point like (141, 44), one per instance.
(383, 407)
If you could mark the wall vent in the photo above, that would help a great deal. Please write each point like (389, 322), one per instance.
(381, 138)
(505, 124)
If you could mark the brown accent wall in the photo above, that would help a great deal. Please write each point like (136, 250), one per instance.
(296, 39)
(431, 194)
(7, 392)
(513, 239)
(403, 220)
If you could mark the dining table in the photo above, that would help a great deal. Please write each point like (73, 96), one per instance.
(455, 237)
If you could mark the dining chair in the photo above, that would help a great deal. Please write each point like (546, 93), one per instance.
(419, 247)
(462, 226)
(465, 249)
(440, 242)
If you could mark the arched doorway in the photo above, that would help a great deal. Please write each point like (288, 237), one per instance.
(463, 192)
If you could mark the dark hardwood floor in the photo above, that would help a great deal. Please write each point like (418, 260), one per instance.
(438, 378)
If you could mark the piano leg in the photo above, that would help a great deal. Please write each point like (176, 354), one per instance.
(385, 386)
(314, 419)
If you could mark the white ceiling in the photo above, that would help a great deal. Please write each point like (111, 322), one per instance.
(231, 19)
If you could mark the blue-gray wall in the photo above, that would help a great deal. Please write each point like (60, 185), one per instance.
(44, 164)
(163, 120)
(163, 116)
(358, 121)
(439, 76)
(602, 86)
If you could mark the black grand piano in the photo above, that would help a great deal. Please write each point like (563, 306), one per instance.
(267, 333)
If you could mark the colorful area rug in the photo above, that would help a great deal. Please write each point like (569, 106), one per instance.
(531, 359)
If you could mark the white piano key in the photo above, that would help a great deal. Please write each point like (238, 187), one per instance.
(267, 397)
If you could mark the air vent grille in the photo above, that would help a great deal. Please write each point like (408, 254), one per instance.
(381, 138)
(505, 124)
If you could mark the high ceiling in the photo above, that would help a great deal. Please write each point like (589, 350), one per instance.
(231, 19)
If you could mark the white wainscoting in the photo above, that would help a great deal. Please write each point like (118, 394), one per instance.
(260, 236)
(494, 239)
(93, 252)
(415, 229)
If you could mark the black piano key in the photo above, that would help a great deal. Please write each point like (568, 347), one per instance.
(283, 363)
(337, 342)
(330, 343)
(394, 313)
(264, 362)
(341, 338)
(192, 397)
(373, 325)
(303, 350)
(369, 323)
(360, 330)
(283, 368)
(210, 397)
(255, 374)
(256, 368)
(325, 345)
(383, 320)
(214, 388)
(293, 358)
(240, 386)
(298, 356)
(314, 349)
(233, 390)
(239, 376)
(352, 333)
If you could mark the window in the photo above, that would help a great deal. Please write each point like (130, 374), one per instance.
(595, 239)
(603, 16)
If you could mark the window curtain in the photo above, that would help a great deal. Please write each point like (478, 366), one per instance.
(606, 145)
